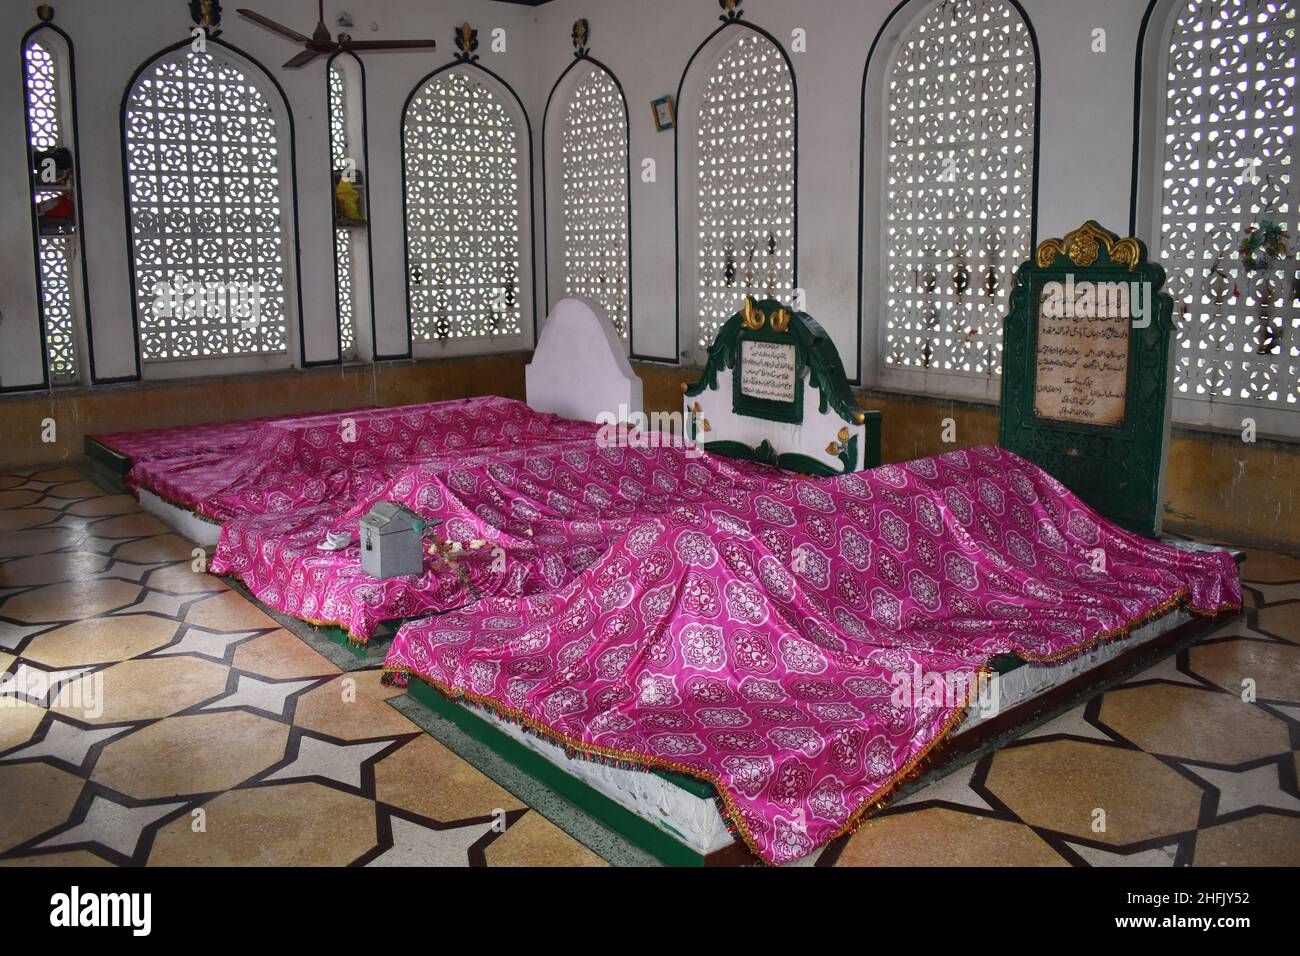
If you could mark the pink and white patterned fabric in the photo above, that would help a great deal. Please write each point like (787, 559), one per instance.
(302, 483)
(747, 626)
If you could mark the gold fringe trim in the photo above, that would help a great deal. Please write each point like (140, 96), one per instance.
(732, 814)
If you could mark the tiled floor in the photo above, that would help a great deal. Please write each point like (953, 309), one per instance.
(148, 714)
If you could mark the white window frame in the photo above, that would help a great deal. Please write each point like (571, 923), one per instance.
(555, 122)
(358, 238)
(876, 373)
(689, 96)
(1226, 414)
(232, 364)
(485, 344)
(55, 44)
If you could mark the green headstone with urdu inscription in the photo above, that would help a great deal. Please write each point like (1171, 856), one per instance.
(1087, 371)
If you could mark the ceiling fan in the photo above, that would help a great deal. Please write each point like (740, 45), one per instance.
(319, 43)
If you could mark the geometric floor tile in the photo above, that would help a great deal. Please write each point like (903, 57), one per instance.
(65, 741)
(105, 505)
(18, 721)
(157, 602)
(295, 824)
(129, 526)
(1268, 566)
(76, 858)
(426, 778)
(228, 611)
(40, 687)
(127, 571)
(112, 825)
(938, 836)
(190, 754)
(37, 797)
(51, 568)
(351, 706)
(1283, 620)
(1265, 839)
(1243, 789)
(100, 640)
(213, 644)
(183, 579)
(1072, 723)
(11, 635)
(533, 840)
(1203, 725)
(417, 845)
(152, 687)
(1160, 856)
(952, 788)
(71, 601)
(270, 698)
(1277, 593)
(1166, 670)
(280, 655)
(26, 518)
(164, 547)
(1273, 668)
(1062, 784)
(323, 758)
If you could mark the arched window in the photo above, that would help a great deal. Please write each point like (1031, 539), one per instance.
(1222, 160)
(948, 193)
(54, 194)
(740, 184)
(347, 158)
(206, 158)
(466, 196)
(593, 227)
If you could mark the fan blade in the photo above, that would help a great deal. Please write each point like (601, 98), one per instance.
(302, 59)
(390, 45)
(270, 24)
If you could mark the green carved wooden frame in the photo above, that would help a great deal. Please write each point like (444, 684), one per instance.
(1119, 470)
(815, 352)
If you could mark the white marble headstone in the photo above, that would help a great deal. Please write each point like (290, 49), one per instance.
(579, 368)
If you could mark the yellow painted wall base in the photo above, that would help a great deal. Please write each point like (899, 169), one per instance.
(77, 412)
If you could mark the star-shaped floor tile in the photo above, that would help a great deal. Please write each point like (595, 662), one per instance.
(11, 635)
(1159, 856)
(953, 788)
(1165, 670)
(205, 643)
(156, 602)
(1290, 710)
(65, 741)
(1274, 593)
(1243, 789)
(1072, 723)
(112, 825)
(266, 696)
(125, 569)
(417, 845)
(35, 685)
(341, 763)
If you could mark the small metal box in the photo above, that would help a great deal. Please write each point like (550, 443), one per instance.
(392, 541)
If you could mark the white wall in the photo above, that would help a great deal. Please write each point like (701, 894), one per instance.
(1085, 152)
(112, 40)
